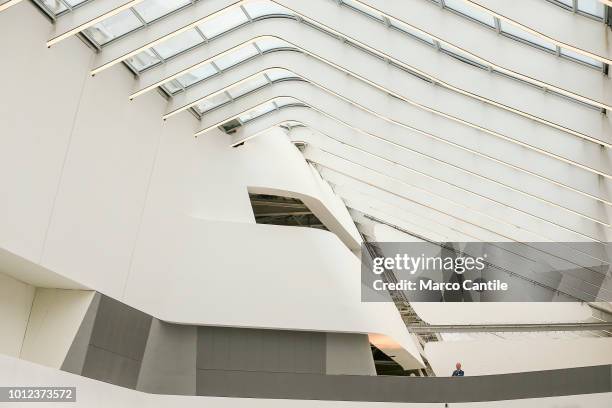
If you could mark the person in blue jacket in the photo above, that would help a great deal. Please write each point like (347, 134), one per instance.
(458, 372)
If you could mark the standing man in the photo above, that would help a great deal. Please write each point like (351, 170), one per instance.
(458, 372)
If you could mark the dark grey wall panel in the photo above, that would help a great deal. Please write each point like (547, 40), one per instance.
(117, 343)
(169, 362)
(120, 345)
(121, 329)
(224, 348)
(75, 359)
(252, 383)
(349, 353)
(243, 384)
(110, 367)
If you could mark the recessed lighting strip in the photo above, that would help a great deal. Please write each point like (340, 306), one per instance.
(376, 52)
(559, 184)
(539, 34)
(121, 6)
(359, 130)
(8, 4)
(174, 33)
(418, 105)
(486, 62)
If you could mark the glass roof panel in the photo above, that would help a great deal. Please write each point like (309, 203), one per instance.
(278, 74)
(113, 27)
(73, 3)
(178, 43)
(197, 75)
(592, 7)
(172, 87)
(236, 56)
(151, 10)
(144, 59)
(248, 86)
(409, 30)
(272, 43)
(212, 102)
(257, 111)
(226, 21)
(265, 8)
(54, 6)
(363, 9)
(461, 7)
(524, 35)
(580, 57)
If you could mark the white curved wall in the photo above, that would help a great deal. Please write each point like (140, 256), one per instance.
(226, 274)
(112, 198)
(97, 189)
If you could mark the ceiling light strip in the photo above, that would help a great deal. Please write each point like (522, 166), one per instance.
(385, 90)
(376, 156)
(218, 92)
(209, 128)
(358, 130)
(464, 171)
(375, 51)
(196, 66)
(82, 26)
(539, 34)
(483, 61)
(440, 82)
(358, 182)
(355, 195)
(8, 4)
(361, 180)
(167, 36)
(434, 79)
(429, 135)
(457, 203)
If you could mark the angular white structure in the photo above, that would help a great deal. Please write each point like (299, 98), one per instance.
(144, 144)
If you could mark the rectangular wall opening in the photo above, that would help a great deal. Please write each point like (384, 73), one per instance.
(278, 210)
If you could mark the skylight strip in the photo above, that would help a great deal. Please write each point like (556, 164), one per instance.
(8, 4)
(431, 193)
(359, 130)
(439, 82)
(486, 62)
(411, 128)
(411, 170)
(161, 39)
(499, 135)
(87, 16)
(394, 144)
(213, 94)
(195, 66)
(509, 72)
(541, 35)
(435, 80)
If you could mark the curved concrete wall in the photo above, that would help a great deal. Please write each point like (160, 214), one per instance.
(226, 273)
(141, 211)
